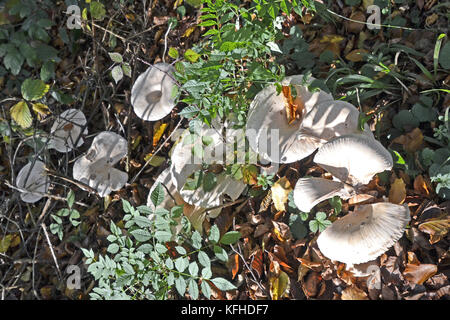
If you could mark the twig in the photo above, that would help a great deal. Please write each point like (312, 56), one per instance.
(51, 250)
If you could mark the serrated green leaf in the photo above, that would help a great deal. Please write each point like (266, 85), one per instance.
(142, 222)
(191, 56)
(113, 248)
(193, 289)
(193, 269)
(204, 259)
(34, 89)
(141, 235)
(157, 195)
(173, 53)
(180, 284)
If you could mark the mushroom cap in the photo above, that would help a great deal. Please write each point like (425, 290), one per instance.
(310, 191)
(268, 131)
(32, 178)
(66, 130)
(151, 95)
(196, 215)
(96, 167)
(364, 234)
(185, 163)
(354, 158)
(330, 119)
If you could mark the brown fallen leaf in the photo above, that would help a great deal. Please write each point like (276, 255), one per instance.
(353, 293)
(397, 194)
(257, 262)
(281, 231)
(437, 228)
(356, 55)
(422, 186)
(411, 141)
(418, 274)
(235, 264)
(358, 25)
(294, 107)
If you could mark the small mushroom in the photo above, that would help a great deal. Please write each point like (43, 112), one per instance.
(364, 234)
(96, 167)
(67, 130)
(354, 158)
(185, 163)
(151, 95)
(33, 179)
(268, 130)
(310, 191)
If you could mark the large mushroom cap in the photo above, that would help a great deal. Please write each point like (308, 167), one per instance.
(330, 119)
(268, 131)
(67, 130)
(151, 95)
(310, 191)
(96, 167)
(32, 178)
(364, 234)
(354, 159)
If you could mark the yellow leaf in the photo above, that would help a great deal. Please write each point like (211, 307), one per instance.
(5, 242)
(177, 4)
(41, 110)
(397, 194)
(159, 130)
(21, 114)
(279, 286)
(280, 192)
(156, 160)
(188, 32)
(332, 38)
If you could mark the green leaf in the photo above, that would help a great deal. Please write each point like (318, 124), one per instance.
(204, 259)
(193, 269)
(142, 222)
(160, 248)
(181, 263)
(13, 61)
(163, 236)
(113, 248)
(141, 235)
(116, 57)
(444, 56)
(193, 289)
(214, 234)
(220, 253)
(180, 250)
(180, 284)
(117, 73)
(223, 284)
(126, 69)
(21, 114)
(196, 240)
(209, 181)
(97, 10)
(47, 71)
(206, 273)
(34, 89)
(230, 237)
(70, 198)
(157, 195)
(173, 53)
(206, 289)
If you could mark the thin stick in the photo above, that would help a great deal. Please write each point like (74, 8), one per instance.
(51, 250)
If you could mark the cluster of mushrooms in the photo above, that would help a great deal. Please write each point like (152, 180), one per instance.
(352, 156)
(95, 169)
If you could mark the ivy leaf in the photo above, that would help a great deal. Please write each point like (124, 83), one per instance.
(34, 89)
(21, 114)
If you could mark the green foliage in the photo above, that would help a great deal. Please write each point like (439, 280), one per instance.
(142, 264)
(73, 214)
(319, 223)
(120, 68)
(264, 180)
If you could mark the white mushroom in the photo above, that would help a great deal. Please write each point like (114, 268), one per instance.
(354, 159)
(33, 179)
(268, 131)
(328, 120)
(196, 215)
(67, 130)
(185, 163)
(96, 167)
(151, 95)
(364, 234)
(310, 191)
